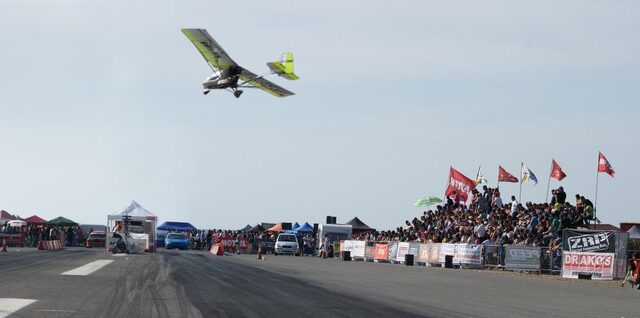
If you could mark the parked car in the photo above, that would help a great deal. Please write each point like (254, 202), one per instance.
(286, 244)
(96, 239)
(177, 240)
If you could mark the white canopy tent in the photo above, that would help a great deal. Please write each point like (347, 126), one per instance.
(634, 232)
(136, 214)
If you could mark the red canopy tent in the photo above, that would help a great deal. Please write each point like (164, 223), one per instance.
(34, 219)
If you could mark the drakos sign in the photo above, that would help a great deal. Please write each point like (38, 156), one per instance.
(598, 265)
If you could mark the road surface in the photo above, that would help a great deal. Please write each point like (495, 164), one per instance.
(92, 283)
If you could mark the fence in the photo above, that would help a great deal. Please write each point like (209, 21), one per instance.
(480, 256)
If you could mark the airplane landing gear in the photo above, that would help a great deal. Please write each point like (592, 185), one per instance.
(205, 92)
(237, 93)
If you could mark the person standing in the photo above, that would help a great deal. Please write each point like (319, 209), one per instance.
(325, 245)
(514, 205)
(634, 267)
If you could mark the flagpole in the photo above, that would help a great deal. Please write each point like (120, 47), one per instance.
(520, 192)
(447, 186)
(549, 182)
(595, 201)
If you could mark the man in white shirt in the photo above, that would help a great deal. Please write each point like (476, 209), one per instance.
(481, 231)
(514, 205)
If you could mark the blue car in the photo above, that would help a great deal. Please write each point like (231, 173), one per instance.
(176, 240)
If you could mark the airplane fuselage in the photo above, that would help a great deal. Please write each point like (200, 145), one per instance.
(220, 83)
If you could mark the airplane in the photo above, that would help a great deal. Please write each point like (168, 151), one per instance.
(230, 76)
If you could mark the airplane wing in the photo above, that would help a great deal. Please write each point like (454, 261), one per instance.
(263, 84)
(212, 52)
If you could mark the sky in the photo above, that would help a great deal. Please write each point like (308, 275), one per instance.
(101, 104)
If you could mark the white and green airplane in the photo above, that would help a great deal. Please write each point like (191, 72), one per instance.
(230, 76)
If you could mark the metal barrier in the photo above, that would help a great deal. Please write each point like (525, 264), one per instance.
(490, 256)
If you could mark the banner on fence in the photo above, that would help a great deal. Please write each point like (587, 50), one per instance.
(414, 249)
(522, 257)
(463, 254)
(434, 255)
(588, 241)
(468, 254)
(423, 255)
(13, 238)
(403, 249)
(356, 248)
(393, 251)
(231, 244)
(446, 249)
(381, 252)
(369, 250)
(599, 265)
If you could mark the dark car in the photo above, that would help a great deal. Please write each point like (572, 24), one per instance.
(96, 239)
(177, 240)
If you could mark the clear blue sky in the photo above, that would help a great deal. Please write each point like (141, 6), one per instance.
(102, 104)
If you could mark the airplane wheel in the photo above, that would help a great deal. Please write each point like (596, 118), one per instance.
(237, 94)
(205, 92)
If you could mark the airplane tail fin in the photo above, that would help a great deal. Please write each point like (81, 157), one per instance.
(284, 67)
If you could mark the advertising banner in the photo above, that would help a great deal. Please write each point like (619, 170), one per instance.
(522, 257)
(434, 254)
(393, 251)
(468, 254)
(425, 252)
(403, 248)
(381, 252)
(463, 254)
(230, 245)
(599, 265)
(356, 248)
(369, 249)
(446, 249)
(414, 249)
(13, 238)
(588, 241)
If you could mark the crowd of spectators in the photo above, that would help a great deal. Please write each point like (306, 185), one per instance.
(203, 239)
(487, 220)
(70, 235)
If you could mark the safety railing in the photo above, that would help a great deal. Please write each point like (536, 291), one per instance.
(491, 256)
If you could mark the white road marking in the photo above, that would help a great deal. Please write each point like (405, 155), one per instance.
(87, 269)
(10, 305)
(55, 310)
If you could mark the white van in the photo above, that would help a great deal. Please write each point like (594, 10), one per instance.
(286, 244)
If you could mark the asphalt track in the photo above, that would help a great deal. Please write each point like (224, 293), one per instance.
(198, 284)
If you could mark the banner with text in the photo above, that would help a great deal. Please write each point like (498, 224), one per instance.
(599, 265)
(403, 249)
(463, 254)
(356, 248)
(381, 252)
(588, 241)
(522, 257)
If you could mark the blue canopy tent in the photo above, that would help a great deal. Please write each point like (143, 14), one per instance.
(305, 228)
(295, 226)
(176, 227)
(246, 228)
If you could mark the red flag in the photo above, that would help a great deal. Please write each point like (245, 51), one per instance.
(460, 183)
(605, 166)
(504, 176)
(556, 171)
